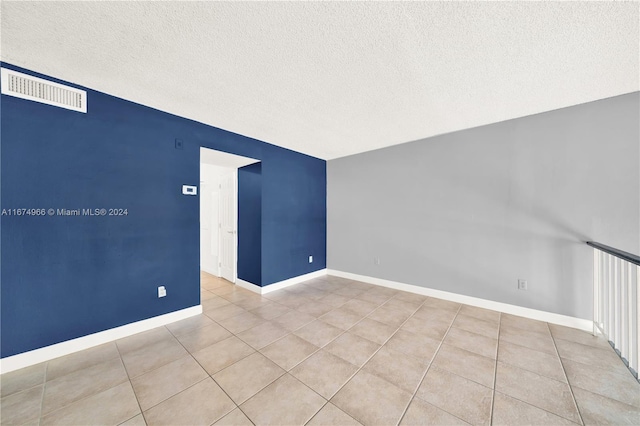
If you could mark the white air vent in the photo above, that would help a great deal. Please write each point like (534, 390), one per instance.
(47, 92)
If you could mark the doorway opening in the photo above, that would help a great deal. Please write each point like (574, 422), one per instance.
(219, 195)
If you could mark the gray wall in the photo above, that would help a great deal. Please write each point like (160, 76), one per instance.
(473, 211)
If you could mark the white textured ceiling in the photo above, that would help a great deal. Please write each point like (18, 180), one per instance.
(333, 79)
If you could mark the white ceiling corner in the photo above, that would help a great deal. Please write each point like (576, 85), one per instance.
(334, 78)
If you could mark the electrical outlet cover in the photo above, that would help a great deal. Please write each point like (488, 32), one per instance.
(189, 190)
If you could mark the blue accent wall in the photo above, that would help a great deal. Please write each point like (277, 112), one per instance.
(299, 213)
(64, 277)
(250, 223)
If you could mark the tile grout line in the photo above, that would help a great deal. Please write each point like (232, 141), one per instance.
(381, 346)
(210, 375)
(44, 388)
(372, 355)
(335, 338)
(42, 415)
(129, 377)
(163, 365)
(573, 397)
(534, 372)
(316, 413)
(187, 388)
(513, 397)
(591, 347)
(398, 329)
(332, 340)
(495, 371)
(93, 394)
(218, 384)
(413, 396)
(561, 364)
(153, 343)
(259, 352)
(523, 346)
(324, 405)
(290, 332)
(314, 391)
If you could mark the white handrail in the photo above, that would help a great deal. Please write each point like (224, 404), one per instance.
(616, 303)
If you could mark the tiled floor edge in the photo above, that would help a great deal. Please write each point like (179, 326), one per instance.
(550, 317)
(47, 353)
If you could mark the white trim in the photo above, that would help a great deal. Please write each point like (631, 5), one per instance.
(249, 286)
(567, 321)
(293, 281)
(210, 272)
(281, 284)
(47, 353)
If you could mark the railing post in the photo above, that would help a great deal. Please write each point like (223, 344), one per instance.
(617, 297)
(624, 310)
(616, 301)
(596, 290)
(603, 298)
(636, 313)
(608, 279)
(632, 332)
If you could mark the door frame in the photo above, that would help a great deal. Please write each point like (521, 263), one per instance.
(231, 161)
(214, 186)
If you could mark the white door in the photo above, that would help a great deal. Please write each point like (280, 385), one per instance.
(213, 243)
(228, 227)
(209, 228)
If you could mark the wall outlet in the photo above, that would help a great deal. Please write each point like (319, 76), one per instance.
(162, 292)
(310, 259)
(376, 260)
(522, 284)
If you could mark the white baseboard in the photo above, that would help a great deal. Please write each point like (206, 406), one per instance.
(249, 286)
(209, 271)
(550, 317)
(47, 353)
(293, 281)
(281, 284)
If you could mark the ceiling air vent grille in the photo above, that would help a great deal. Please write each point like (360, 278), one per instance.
(47, 92)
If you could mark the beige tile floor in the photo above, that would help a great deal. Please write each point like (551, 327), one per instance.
(331, 352)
